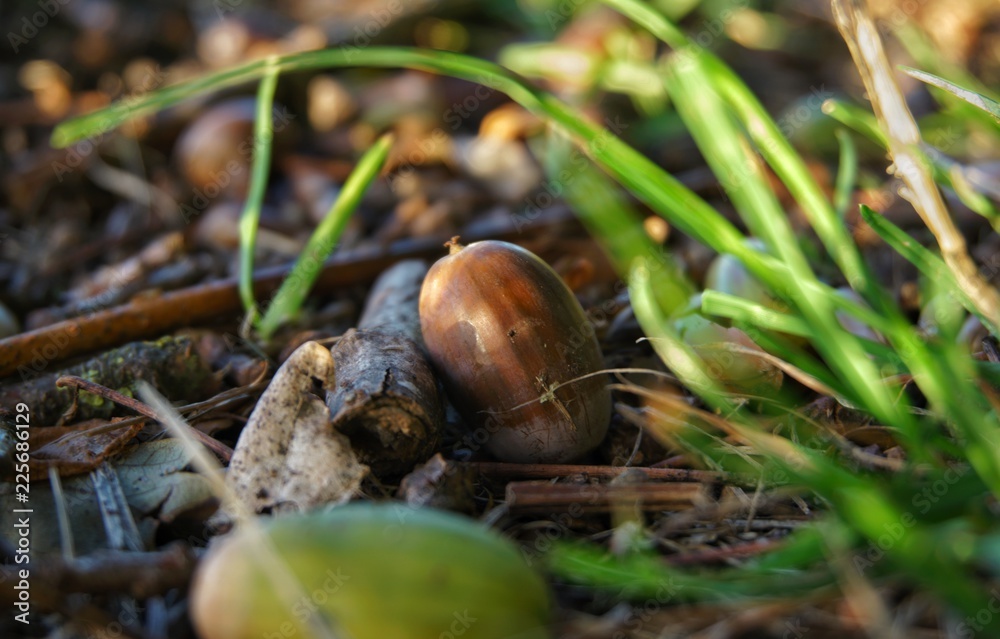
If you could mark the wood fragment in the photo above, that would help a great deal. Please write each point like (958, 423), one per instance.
(139, 574)
(507, 471)
(386, 397)
(441, 484)
(394, 298)
(540, 497)
(170, 364)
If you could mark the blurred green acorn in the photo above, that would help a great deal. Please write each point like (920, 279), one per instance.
(942, 314)
(852, 324)
(727, 274)
(724, 352)
(369, 571)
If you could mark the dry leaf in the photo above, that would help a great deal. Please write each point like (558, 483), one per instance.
(288, 457)
(152, 479)
(155, 484)
(76, 449)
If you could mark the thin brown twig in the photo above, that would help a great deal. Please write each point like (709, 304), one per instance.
(140, 574)
(224, 452)
(509, 471)
(544, 497)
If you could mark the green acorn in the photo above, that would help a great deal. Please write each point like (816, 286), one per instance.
(725, 352)
(368, 571)
(727, 274)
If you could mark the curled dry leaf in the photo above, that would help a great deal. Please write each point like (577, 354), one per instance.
(288, 456)
(76, 449)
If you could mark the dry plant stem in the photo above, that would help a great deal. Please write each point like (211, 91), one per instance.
(386, 399)
(542, 497)
(719, 555)
(139, 574)
(286, 584)
(151, 316)
(508, 471)
(865, 43)
(224, 452)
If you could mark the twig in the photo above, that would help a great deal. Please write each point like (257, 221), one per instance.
(544, 497)
(718, 555)
(140, 574)
(506, 471)
(386, 399)
(224, 452)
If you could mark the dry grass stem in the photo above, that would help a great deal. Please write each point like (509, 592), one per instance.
(909, 162)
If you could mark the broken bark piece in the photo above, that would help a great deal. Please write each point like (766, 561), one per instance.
(386, 399)
(441, 484)
(171, 365)
(394, 298)
(287, 457)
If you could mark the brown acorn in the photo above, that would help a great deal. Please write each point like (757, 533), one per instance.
(511, 342)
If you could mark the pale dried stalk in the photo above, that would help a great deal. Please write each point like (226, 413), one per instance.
(862, 37)
(286, 584)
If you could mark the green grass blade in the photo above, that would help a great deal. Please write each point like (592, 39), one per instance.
(972, 198)
(250, 218)
(946, 171)
(977, 100)
(685, 363)
(856, 119)
(932, 266)
(847, 174)
(742, 310)
(605, 214)
(925, 54)
(644, 178)
(294, 289)
(767, 136)
(648, 181)
(690, 87)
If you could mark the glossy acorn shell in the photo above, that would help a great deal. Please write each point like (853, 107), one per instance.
(502, 329)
